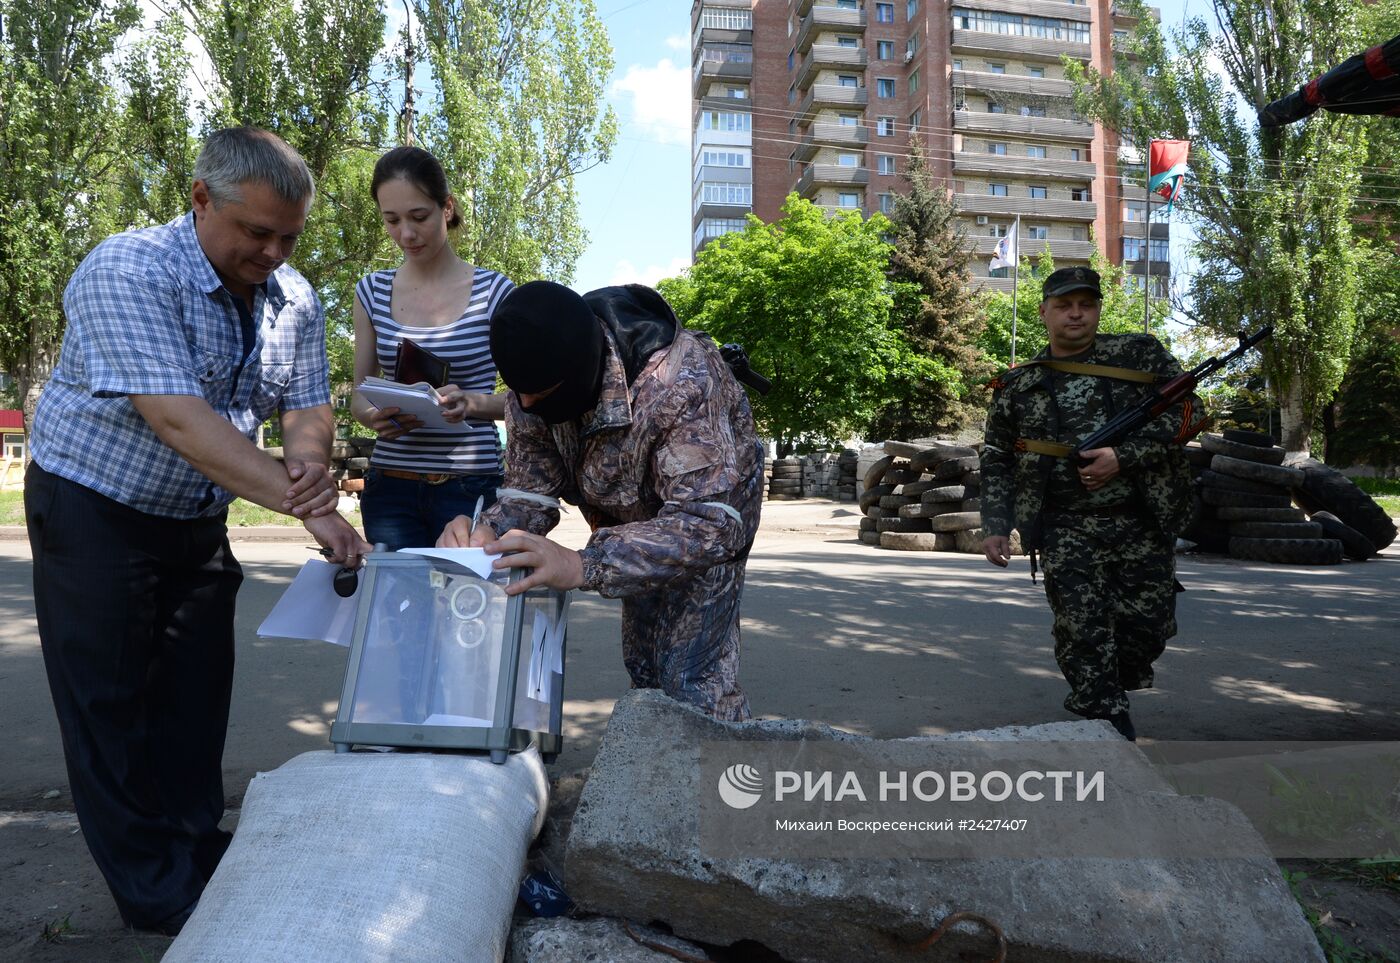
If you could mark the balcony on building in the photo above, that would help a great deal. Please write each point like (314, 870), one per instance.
(1046, 207)
(730, 71)
(830, 135)
(830, 175)
(1160, 229)
(1016, 125)
(1017, 47)
(828, 56)
(1049, 168)
(1061, 249)
(987, 82)
(698, 9)
(836, 19)
(832, 96)
(719, 35)
(1053, 9)
(710, 211)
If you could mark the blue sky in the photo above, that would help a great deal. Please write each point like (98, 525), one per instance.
(636, 207)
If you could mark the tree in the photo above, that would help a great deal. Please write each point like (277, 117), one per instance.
(938, 314)
(1272, 209)
(808, 298)
(62, 144)
(1362, 425)
(1122, 310)
(521, 113)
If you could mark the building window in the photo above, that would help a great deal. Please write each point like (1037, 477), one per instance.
(911, 47)
(726, 18)
(713, 227)
(848, 80)
(846, 4)
(727, 53)
(884, 50)
(847, 160)
(726, 120)
(995, 148)
(911, 7)
(886, 163)
(1132, 249)
(1032, 111)
(1158, 247)
(884, 12)
(1014, 24)
(737, 93)
(998, 230)
(722, 192)
(995, 108)
(790, 59)
(1079, 194)
(914, 82)
(850, 43)
(1131, 212)
(915, 119)
(884, 87)
(1035, 150)
(847, 199)
(1074, 154)
(886, 203)
(1037, 72)
(724, 158)
(997, 190)
(884, 127)
(848, 120)
(1039, 192)
(957, 65)
(996, 68)
(1038, 232)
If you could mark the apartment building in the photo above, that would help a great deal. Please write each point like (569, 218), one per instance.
(828, 96)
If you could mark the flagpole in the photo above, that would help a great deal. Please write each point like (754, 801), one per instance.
(1015, 280)
(1147, 258)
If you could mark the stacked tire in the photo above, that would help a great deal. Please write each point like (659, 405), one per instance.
(845, 490)
(786, 481)
(1345, 512)
(881, 500)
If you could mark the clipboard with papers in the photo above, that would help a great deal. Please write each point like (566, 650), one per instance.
(420, 399)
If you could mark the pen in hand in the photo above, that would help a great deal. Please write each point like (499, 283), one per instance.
(476, 513)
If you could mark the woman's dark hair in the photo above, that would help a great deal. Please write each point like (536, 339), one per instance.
(419, 168)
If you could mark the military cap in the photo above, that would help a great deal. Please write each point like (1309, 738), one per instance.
(1068, 279)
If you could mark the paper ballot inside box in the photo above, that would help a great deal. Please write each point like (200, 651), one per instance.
(442, 656)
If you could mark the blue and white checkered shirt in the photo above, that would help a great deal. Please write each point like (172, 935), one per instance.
(147, 315)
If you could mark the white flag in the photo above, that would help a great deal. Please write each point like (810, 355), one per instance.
(1005, 254)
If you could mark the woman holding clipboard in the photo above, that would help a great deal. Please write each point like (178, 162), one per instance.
(426, 320)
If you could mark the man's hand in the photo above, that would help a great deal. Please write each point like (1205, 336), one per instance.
(554, 565)
(1101, 468)
(997, 548)
(338, 535)
(459, 534)
(313, 491)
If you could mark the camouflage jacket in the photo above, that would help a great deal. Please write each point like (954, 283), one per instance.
(1040, 404)
(659, 469)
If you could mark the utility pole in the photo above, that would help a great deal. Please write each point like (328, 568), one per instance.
(406, 118)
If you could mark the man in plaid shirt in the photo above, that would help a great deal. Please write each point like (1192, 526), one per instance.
(181, 340)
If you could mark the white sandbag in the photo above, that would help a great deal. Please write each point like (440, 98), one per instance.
(370, 858)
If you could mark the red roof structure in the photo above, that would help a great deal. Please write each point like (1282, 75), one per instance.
(11, 419)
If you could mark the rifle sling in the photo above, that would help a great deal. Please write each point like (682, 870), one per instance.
(1054, 449)
(1101, 370)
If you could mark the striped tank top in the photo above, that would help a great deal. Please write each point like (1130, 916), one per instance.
(472, 447)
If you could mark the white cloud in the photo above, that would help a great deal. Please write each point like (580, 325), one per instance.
(659, 101)
(628, 273)
(678, 42)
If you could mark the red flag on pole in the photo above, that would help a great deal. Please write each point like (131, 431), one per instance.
(1166, 167)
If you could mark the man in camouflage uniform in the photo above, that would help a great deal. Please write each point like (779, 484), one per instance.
(1105, 530)
(616, 408)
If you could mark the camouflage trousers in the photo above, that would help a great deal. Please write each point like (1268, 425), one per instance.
(1111, 587)
(684, 640)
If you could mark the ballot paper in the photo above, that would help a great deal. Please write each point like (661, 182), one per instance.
(554, 641)
(539, 662)
(474, 560)
(310, 609)
(419, 399)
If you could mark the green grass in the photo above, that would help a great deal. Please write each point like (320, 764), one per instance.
(1334, 945)
(1386, 492)
(241, 514)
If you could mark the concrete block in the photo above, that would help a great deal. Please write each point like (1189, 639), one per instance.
(562, 940)
(634, 851)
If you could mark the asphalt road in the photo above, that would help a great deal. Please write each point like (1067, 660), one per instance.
(878, 642)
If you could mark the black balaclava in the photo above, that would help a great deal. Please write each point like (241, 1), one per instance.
(542, 335)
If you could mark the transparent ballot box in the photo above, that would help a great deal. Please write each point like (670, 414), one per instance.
(442, 658)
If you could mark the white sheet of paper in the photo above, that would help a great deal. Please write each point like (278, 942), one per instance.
(539, 665)
(554, 642)
(310, 609)
(474, 559)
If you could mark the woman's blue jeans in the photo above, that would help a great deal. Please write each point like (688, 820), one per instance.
(412, 514)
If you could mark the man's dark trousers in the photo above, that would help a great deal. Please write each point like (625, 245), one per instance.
(135, 617)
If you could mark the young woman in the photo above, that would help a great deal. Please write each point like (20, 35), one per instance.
(421, 478)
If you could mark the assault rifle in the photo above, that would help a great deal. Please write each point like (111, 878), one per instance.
(1164, 395)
